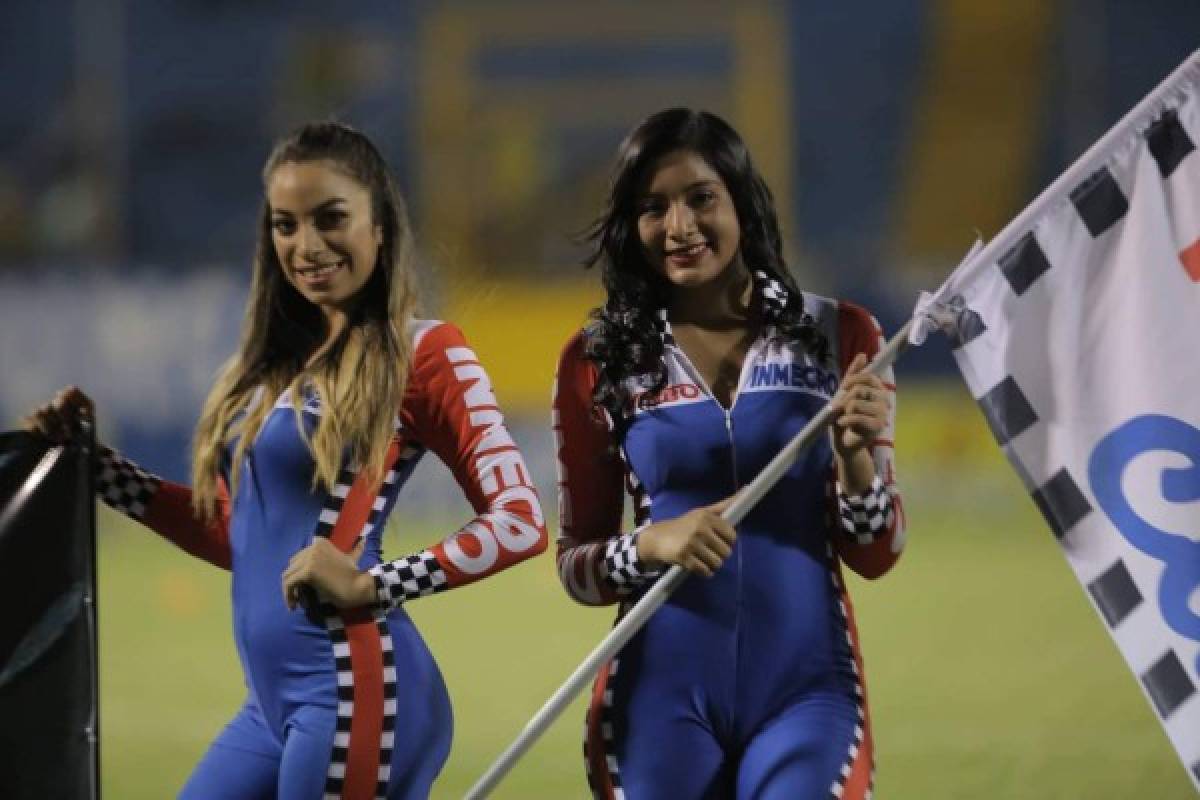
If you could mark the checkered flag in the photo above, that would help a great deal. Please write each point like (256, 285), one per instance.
(1075, 330)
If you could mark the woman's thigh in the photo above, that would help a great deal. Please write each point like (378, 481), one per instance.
(643, 743)
(804, 751)
(242, 763)
(413, 745)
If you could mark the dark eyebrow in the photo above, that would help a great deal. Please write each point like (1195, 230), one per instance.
(324, 206)
(705, 183)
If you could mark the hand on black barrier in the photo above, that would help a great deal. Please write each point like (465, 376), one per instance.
(63, 417)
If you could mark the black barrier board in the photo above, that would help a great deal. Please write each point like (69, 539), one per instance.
(48, 678)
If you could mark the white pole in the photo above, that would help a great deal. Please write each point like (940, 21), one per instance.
(657, 594)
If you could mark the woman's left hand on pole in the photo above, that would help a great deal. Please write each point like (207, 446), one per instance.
(334, 574)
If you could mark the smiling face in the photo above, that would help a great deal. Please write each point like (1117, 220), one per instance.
(687, 221)
(325, 235)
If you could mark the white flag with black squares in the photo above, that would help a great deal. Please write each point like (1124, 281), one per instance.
(1078, 332)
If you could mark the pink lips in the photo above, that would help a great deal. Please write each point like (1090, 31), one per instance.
(318, 274)
(686, 256)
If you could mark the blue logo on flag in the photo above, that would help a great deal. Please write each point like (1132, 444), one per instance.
(1179, 553)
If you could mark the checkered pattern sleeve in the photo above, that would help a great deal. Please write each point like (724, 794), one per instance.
(124, 485)
(164, 507)
(866, 517)
(408, 578)
(622, 568)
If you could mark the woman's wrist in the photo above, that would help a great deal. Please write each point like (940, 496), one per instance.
(856, 471)
(644, 546)
(364, 591)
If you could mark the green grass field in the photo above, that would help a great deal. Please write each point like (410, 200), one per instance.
(990, 675)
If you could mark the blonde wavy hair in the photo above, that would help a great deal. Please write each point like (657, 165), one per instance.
(359, 380)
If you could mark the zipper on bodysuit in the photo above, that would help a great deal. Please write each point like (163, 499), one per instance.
(737, 567)
(747, 362)
(737, 484)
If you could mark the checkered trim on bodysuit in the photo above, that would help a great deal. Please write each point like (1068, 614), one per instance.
(838, 788)
(664, 328)
(774, 295)
(408, 578)
(599, 756)
(345, 481)
(868, 516)
(335, 777)
(335, 624)
(122, 484)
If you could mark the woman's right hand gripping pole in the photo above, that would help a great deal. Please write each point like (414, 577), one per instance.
(699, 541)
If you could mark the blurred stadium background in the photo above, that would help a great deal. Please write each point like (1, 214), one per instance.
(891, 134)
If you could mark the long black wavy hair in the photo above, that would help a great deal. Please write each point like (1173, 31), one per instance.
(624, 337)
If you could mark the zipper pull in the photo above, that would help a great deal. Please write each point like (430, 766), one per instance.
(732, 448)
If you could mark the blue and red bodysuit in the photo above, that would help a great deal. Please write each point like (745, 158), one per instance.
(346, 703)
(748, 683)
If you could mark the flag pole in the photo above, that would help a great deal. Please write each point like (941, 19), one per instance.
(657, 594)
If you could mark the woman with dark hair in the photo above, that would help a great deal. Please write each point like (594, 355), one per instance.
(334, 394)
(703, 362)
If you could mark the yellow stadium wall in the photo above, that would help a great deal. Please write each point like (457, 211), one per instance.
(517, 329)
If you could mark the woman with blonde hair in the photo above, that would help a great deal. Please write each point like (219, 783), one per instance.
(334, 394)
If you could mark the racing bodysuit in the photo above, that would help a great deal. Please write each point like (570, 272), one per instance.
(345, 703)
(748, 683)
